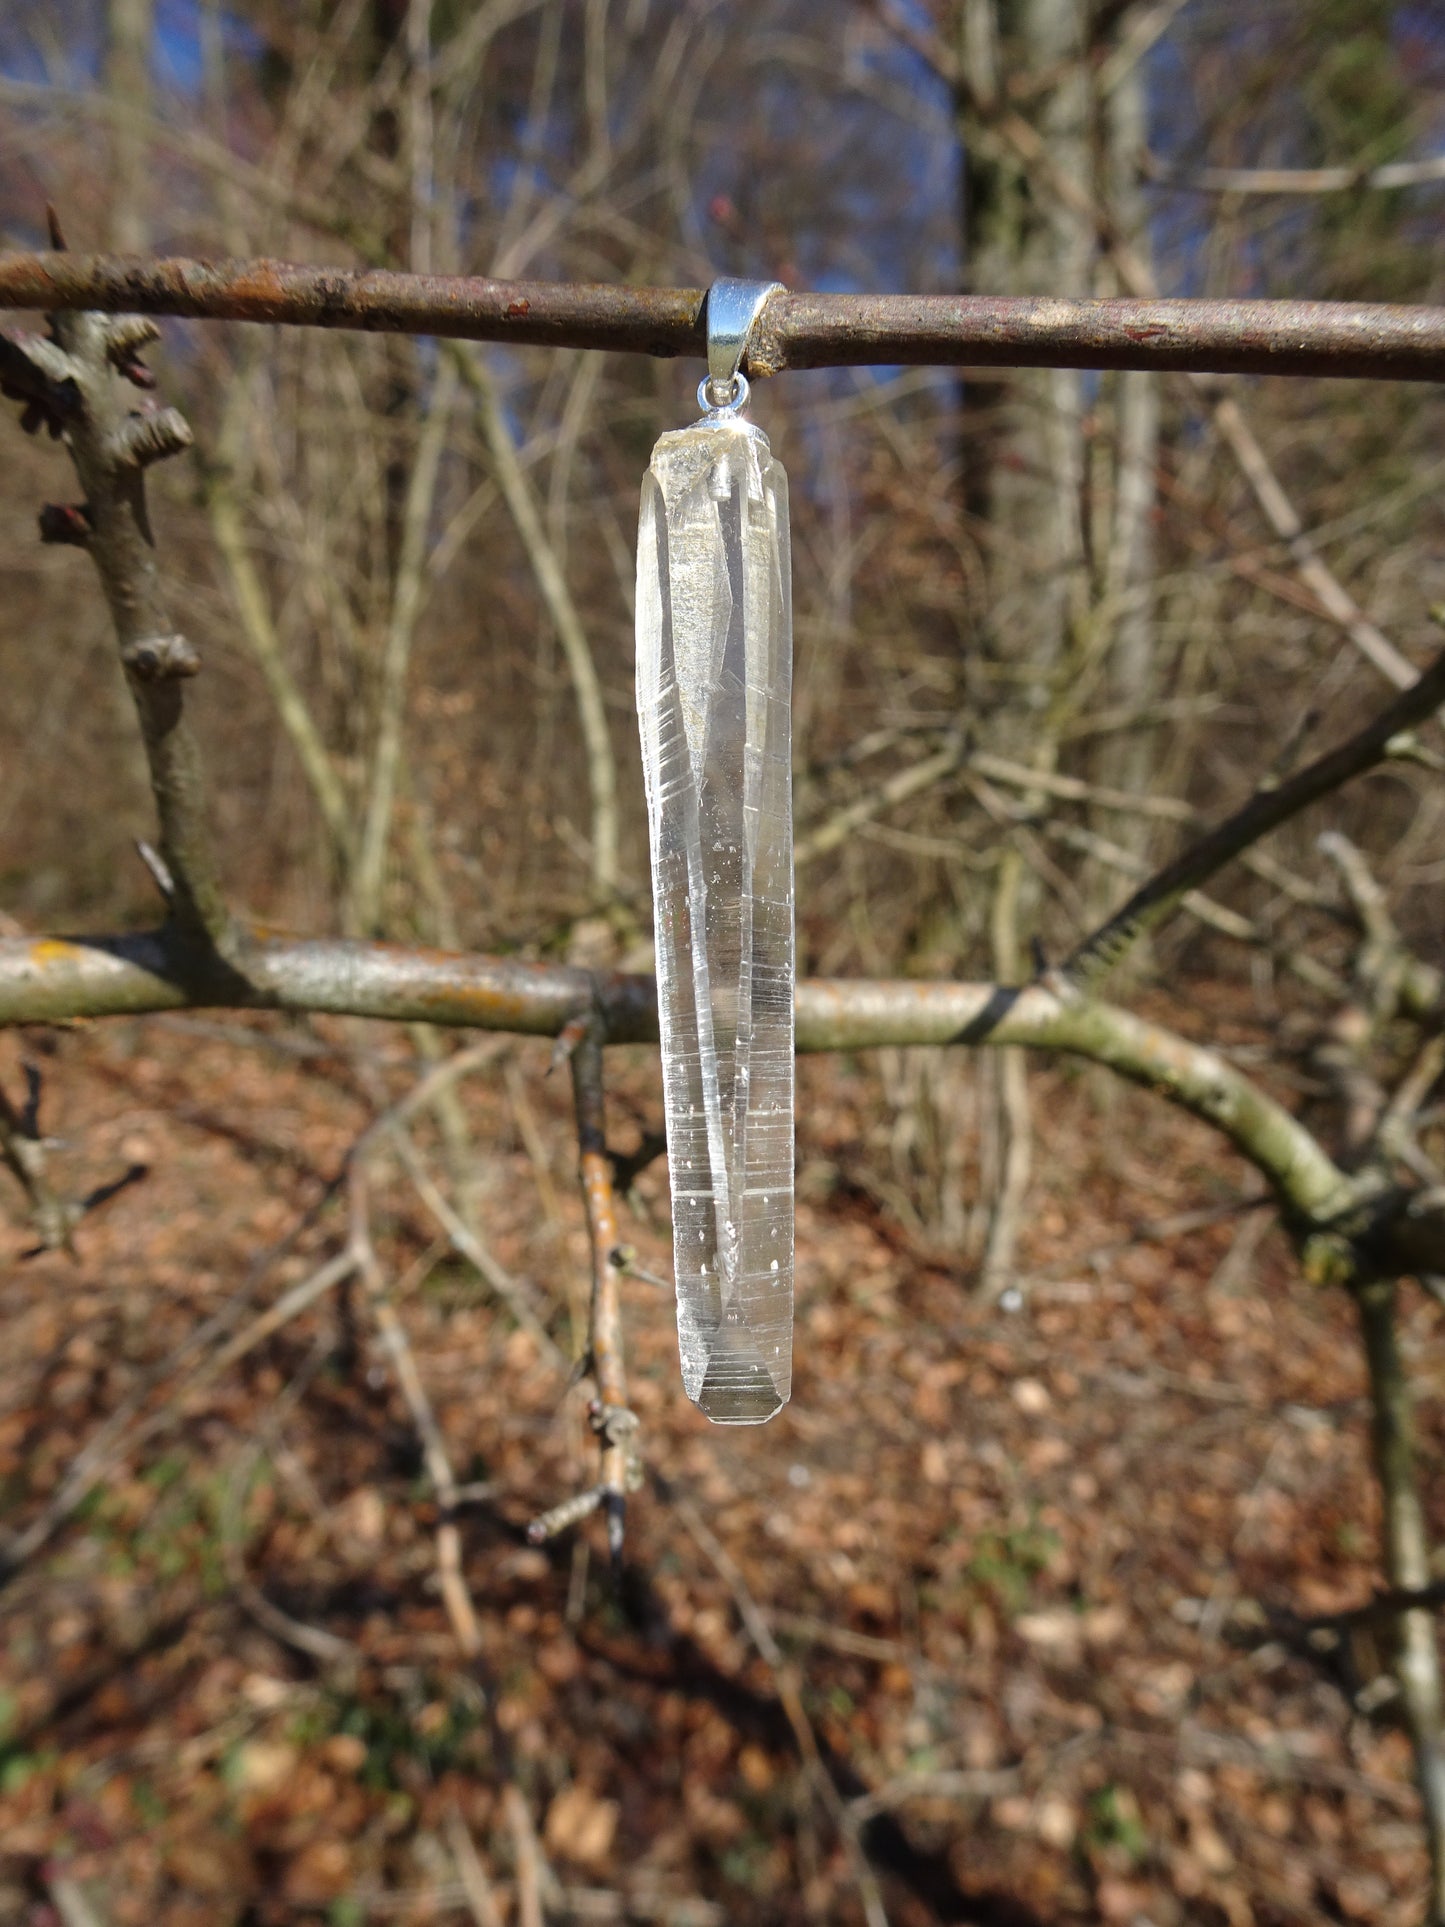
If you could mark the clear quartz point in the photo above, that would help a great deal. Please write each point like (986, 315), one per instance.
(714, 676)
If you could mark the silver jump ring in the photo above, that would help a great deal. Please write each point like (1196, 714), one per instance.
(728, 397)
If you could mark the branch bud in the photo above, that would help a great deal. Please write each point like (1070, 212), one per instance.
(40, 374)
(35, 417)
(143, 439)
(161, 658)
(66, 523)
(125, 336)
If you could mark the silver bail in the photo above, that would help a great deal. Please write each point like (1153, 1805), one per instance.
(733, 308)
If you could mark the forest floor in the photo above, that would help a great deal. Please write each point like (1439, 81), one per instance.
(1014, 1607)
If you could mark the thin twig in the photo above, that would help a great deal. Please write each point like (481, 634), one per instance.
(510, 1290)
(789, 1690)
(475, 1884)
(601, 1904)
(1279, 511)
(258, 626)
(900, 788)
(1367, 899)
(613, 1423)
(1395, 1129)
(23, 1150)
(976, 1783)
(527, 1856)
(595, 1171)
(73, 1905)
(1208, 910)
(551, 582)
(1149, 1231)
(1393, 976)
(1407, 1566)
(1265, 811)
(1387, 177)
(461, 1612)
(118, 1437)
(327, 1648)
(371, 847)
(126, 1429)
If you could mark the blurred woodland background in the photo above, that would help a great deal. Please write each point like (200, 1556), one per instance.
(1054, 1542)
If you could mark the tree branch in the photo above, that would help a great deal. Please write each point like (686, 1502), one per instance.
(460, 1609)
(789, 1687)
(551, 579)
(49, 980)
(23, 1149)
(76, 387)
(368, 881)
(1265, 811)
(614, 1424)
(1390, 176)
(1407, 1567)
(795, 330)
(1391, 974)
(259, 628)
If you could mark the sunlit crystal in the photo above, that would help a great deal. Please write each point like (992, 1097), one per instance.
(714, 674)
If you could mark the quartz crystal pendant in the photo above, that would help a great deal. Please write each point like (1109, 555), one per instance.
(714, 674)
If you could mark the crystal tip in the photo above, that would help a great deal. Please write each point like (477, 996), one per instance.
(741, 1391)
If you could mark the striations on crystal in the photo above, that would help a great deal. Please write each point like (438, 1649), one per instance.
(714, 678)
